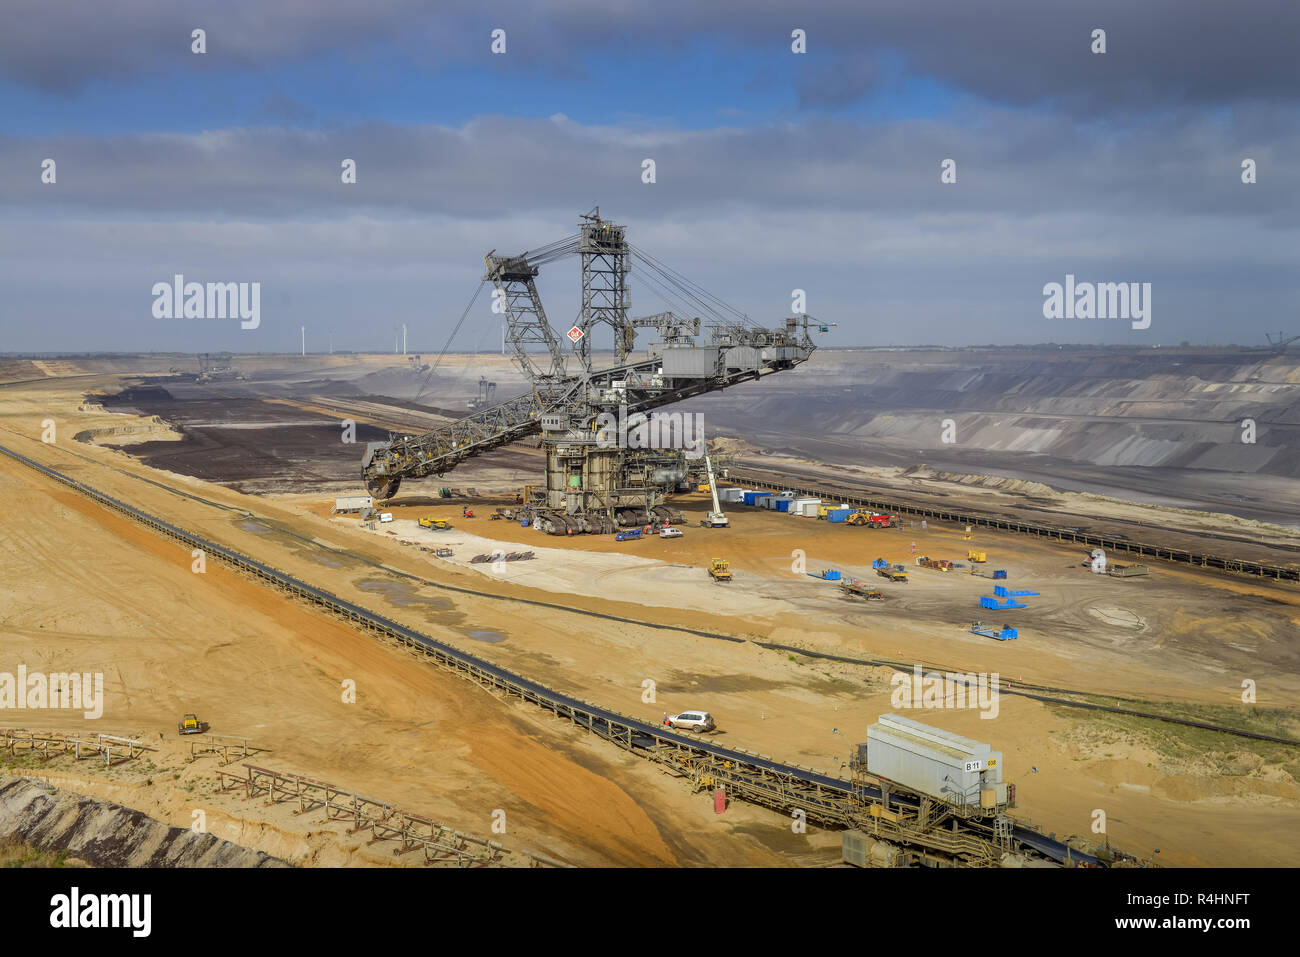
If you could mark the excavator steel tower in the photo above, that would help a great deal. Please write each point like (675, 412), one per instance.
(594, 482)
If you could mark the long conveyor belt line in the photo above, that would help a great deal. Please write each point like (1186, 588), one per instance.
(1138, 549)
(829, 800)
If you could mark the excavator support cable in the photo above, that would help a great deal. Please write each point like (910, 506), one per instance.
(450, 339)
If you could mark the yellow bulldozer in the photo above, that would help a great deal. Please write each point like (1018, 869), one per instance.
(720, 570)
(191, 724)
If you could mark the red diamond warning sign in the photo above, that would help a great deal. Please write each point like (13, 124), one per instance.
(575, 334)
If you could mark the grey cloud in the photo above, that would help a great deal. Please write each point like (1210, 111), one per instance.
(1161, 53)
(845, 80)
(854, 214)
(59, 47)
(1009, 164)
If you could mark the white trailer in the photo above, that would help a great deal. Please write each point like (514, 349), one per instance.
(353, 503)
(932, 761)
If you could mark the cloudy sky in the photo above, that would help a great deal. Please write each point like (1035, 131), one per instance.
(774, 170)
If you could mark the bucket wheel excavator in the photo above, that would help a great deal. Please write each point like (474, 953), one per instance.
(594, 482)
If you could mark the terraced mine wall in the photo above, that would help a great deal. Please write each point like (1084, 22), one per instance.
(1160, 426)
(1106, 407)
(109, 835)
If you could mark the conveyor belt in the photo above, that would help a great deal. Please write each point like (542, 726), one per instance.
(833, 796)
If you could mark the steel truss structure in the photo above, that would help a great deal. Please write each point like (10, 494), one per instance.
(386, 821)
(564, 406)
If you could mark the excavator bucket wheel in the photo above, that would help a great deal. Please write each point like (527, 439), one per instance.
(384, 488)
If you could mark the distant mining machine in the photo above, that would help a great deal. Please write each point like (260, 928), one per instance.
(597, 479)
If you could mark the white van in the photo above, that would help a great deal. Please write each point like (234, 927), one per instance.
(692, 721)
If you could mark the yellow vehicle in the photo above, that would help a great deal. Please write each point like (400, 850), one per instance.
(704, 487)
(852, 587)
(720, 570)
(190, 724)
(974, 556)
(437, 524)
(893, 574)
(857, 518)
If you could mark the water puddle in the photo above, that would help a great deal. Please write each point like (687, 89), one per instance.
(489, 636)
(400, 593)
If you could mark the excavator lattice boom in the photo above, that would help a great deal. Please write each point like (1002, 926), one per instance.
(566, 400)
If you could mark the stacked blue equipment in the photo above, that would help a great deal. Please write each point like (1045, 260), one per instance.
(1003, 592)
(1000, 573)
(993, 604)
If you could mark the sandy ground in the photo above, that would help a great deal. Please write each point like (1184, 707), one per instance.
(1083, 631)
(253, 663)
(272, 669)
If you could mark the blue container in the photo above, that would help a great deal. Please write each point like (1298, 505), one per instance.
(751, 498)
(838, 514)
(523, 522)
(783, 505)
